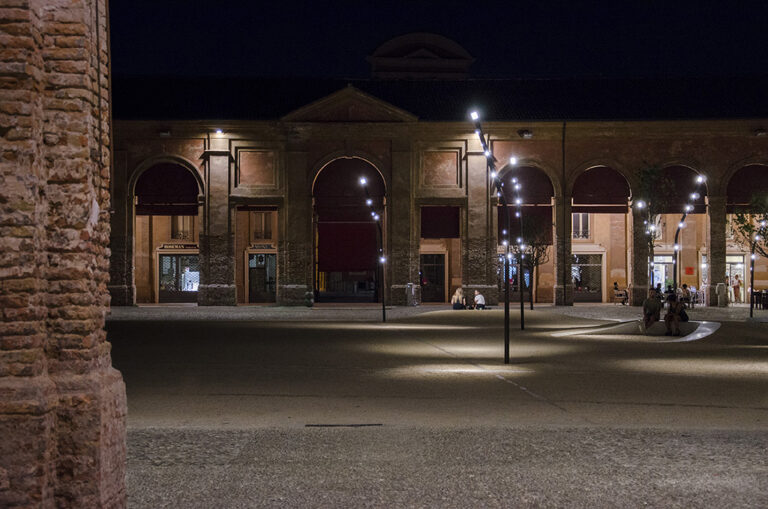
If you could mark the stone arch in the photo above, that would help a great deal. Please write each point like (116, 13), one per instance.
(164, 159)
(629, 176)
(612, 190)
(552, 175)
(730, 172)
(742, 184)
(323, 162)
(684, 185)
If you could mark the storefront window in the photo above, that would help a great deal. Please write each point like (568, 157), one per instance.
(580, 225)
(179, 277)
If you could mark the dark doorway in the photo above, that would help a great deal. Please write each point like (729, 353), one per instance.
(262, 277)
(346, 235)
(433, 277)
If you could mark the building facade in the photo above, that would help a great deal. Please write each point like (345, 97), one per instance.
(228, 207)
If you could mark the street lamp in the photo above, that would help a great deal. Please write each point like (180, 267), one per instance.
(757, 238)
(382, 258)
(498, 186)
(686, 210)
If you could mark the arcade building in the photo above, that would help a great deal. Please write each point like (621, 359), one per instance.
(236, 191)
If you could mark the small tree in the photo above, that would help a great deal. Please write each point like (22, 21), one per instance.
(750, 222)
(537, 238)
(657, 192)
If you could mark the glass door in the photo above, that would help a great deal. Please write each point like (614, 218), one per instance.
(179, 277)
(262, 277)
(587, 277)
(662, 271)
(734, 275)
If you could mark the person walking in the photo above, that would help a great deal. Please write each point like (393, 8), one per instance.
(736, 289)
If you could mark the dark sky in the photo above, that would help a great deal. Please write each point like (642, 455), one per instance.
(524, 39)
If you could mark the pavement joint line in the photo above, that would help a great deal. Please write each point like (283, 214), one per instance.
(682, 405)
(525, 390)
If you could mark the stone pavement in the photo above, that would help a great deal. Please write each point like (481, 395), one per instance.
(234, 411)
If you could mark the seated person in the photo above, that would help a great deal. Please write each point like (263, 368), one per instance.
(620, 294)
(685, 295)
(458, 301)
(672, 318)
(651, 309)
(479, 300)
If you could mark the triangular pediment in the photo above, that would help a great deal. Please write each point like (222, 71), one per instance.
(349, 105)
(422, 53)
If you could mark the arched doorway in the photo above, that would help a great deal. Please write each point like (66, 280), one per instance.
(599, 235)
(166, 233)
(346, 239)
(747, 200)
(536, 227)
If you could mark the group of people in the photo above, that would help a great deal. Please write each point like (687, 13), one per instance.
(459, 301)
(654, 303)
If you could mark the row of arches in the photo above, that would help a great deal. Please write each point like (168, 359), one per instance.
(344, 241)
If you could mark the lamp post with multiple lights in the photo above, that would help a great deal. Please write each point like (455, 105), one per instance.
(498, 186)
(376, 216)
(695, 195)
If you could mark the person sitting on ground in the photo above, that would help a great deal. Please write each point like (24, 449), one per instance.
(458, 301)
(651, 309)
(479, 300)
(685, 295)
(672, 318)
(621, 294)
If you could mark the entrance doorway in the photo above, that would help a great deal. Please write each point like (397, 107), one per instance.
(262, 277)
(179, 277)
(663, 265)
(587, 276)
(346, 236)
(734, 266)
(433, 277)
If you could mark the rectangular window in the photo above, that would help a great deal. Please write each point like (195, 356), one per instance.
(580, 225)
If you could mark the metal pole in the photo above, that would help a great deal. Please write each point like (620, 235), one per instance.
(506, 287)
(752, 280)
(383, 277)
(520, 275)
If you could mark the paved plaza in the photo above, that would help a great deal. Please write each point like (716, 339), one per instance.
(326, 407)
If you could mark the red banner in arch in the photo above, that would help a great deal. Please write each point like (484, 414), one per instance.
(346, 247)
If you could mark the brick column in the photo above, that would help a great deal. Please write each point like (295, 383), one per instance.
(562, 252)
(402, 251)
(122, 288)
(640, 252)
(294, 274)
(716, 244)
(217, 238)
(62, 405)
(479, 242)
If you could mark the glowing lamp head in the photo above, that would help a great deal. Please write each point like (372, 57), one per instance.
(700, 179)
(753, 257)
(647, 232)
(519, 240)
(504, 242)
(680, 225)
(373, 214)
(382, 259)
(503, 232)
(522, 246)
(519, 201)
(517, 187)
(695, 196)
(677, 247)
(513, 160)
(369, 202)
(757, 237)
(517, 214)
(688, 208)
(514, 180)
(762, 224)
(640, 204)
(219, 131)
(363, 181)
(493, 175)
(487, 153)
(474, 115)
(652, 227)
(376, 217)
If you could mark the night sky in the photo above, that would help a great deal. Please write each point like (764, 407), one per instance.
(525, 39)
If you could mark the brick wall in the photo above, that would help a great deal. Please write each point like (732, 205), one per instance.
(62, 405)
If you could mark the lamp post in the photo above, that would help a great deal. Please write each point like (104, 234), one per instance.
(677, 248)
(498, 186)
(380, 276)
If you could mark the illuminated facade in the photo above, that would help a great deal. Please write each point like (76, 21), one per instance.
(244, 202)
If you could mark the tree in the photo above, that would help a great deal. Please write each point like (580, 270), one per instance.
(750, 225)
(537, 239)
(657, 195)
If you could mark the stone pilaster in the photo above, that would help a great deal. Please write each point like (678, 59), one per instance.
(640, 250)
(217, 239)
(62, 405)
(562, 252)
(716, 244)
(402, 261)
(479, 242)
(294, 268)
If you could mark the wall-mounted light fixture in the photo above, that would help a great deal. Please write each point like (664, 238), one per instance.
(525, 134)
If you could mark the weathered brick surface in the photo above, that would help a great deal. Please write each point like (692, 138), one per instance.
(62, 406)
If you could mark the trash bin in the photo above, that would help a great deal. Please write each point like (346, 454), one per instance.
(410, 295)
(722, 295)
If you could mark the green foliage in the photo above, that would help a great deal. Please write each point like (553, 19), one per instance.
(751, 221)
(657, 190)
